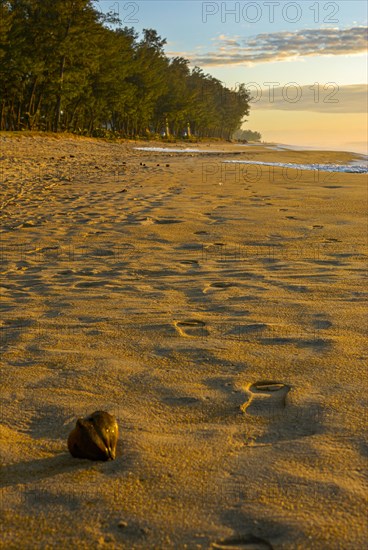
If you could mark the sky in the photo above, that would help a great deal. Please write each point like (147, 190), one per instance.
(304, 62)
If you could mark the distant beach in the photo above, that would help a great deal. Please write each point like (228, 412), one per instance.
(359, 165)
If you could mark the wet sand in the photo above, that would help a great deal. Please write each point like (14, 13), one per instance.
(218, 311)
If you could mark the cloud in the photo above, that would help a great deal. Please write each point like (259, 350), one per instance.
(321, 98)
(282, 46)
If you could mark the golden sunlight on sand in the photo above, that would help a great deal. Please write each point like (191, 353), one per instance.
(217, 311)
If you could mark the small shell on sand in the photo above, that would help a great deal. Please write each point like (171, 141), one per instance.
(94, 437)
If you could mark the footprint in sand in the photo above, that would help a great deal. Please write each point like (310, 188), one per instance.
(321, 324)
(216, 286)
(90, 284)
(144, 221)
(193, 263)
(191, 327)
(248, 542)
(265, 398)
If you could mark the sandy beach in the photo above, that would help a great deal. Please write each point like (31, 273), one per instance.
(218, 311)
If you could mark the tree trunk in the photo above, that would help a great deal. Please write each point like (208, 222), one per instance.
(73, 113)
(58, 100)
(2, 116)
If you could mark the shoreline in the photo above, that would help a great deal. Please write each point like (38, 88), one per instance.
(175, 141)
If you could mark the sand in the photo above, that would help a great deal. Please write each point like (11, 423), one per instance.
(167, 295)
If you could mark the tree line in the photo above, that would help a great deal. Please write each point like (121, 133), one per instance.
(64, 66)
(246, 135)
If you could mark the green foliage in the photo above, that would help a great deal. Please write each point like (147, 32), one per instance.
(246, 135)
(65, 66)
